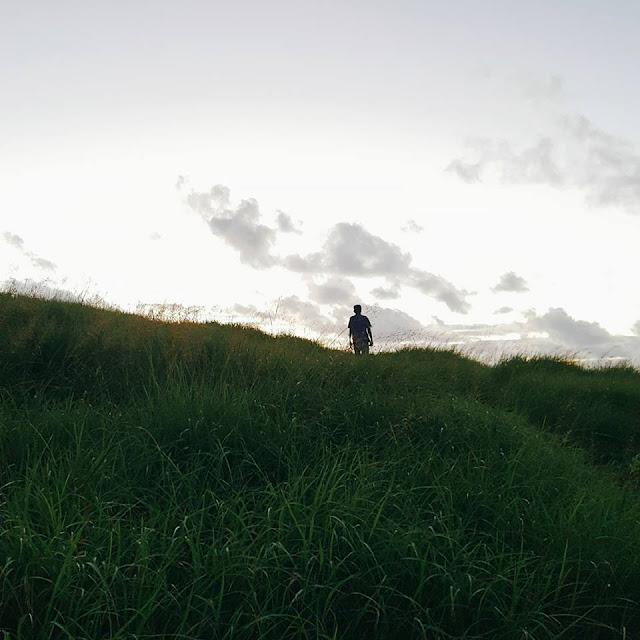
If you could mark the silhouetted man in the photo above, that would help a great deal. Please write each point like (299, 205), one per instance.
(360, 337)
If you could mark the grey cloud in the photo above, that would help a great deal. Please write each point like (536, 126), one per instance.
(332, 292)
(243, 308)
(579, 155)
(285, 223)
(290, 311)
(251, 312)
(306, 312)
(350, 250)
(610, 166)
(511, 282)
(13, 239)
(208, 203)
(17, 242)
(385, 294)
(154, 236)
(533, 165)
(390, 327)
(241, 229)
(41, 263)
(441, 289)
(503, 310)
(468, 172)
(565, 330)
(388, 322)
(554, 332)
(636, 328)
(220, 195)
(411, 226)
(304, 264)
(201, 203)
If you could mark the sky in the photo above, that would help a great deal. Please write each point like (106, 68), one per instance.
(468, 172)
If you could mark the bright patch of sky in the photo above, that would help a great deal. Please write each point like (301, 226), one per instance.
(469, 172)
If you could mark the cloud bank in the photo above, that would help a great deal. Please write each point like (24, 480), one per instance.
(554, 332)
(349, 250)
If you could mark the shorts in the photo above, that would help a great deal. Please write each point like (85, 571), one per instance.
(361, 346)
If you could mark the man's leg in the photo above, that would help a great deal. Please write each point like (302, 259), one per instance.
(361, 347)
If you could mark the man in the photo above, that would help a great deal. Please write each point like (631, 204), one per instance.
(360, 337)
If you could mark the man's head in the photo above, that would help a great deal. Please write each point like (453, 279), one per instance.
(357, 308)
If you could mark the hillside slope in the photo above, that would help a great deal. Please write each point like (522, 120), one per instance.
(201, 481)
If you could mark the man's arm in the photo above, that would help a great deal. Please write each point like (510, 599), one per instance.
(369, 333)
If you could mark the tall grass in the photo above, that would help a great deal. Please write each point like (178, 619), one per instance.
(209, 481)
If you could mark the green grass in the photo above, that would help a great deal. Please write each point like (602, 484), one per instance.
(209, 481)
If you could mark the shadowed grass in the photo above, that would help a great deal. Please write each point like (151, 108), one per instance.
(198, 481)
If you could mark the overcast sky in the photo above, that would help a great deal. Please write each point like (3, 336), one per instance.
(469, 172)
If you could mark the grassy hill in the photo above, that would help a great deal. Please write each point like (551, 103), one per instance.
(210, 481)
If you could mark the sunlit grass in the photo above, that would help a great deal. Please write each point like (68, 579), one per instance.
(209, 481)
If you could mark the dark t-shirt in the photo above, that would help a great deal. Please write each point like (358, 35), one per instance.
(358, 325)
